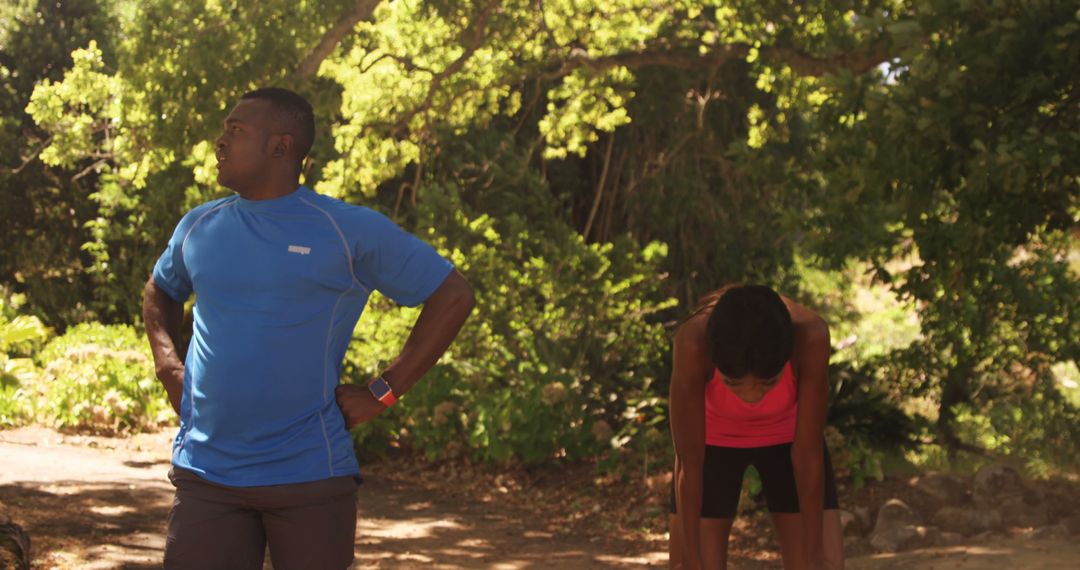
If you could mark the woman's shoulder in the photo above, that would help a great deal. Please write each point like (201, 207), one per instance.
(694, 327)
(811, 335)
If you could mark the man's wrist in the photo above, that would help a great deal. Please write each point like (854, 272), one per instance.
(382, 391)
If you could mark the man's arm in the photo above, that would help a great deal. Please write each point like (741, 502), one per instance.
(163, 317)
(442, 316)
(686, 400)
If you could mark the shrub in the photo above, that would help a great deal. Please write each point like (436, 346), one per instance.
(101, 378)
(564, 337)
(20, 336)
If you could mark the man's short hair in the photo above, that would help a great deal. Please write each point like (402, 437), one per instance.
(295, 109)
(750, 332)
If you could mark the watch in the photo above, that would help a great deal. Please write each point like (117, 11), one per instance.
(380, 388)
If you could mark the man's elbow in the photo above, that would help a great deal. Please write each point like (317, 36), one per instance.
(150, 292)
(468, 298)
(459, 293)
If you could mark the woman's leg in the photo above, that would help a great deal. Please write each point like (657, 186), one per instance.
(723, 473)
(675, 545)
(834, 540)
(778, 480)
(715, 534)
(789, 535)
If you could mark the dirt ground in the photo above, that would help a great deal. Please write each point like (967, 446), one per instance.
(96, 503)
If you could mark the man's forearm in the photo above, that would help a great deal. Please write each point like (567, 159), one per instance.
(163, 318)
(440, 320)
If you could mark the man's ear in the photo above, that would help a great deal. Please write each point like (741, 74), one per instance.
(283, 144)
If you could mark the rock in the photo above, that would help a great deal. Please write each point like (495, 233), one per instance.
(895, 539)
(905, 537)
(893, 514)
(995, 483)
(1028, 509)
(1000, 487)
(942, 488)
(856, 546)
(849, 523)
(955, 519)
(967, 520)
(950, 539)
(987, 536)
(866, 520)
(1058, 531)
(14, 545)
(928, 536)
(1072, 523)
(987, 519)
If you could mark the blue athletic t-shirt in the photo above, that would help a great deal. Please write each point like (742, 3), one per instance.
(279, 285)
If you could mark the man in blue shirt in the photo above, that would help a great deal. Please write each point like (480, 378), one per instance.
(280, 275)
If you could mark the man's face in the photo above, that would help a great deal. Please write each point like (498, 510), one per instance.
(245, 147)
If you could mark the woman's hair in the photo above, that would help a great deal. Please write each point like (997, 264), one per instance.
(749, 331)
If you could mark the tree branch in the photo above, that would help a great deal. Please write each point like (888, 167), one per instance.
(600, 187)
(680, 58)
(93, 167)
(33, 155)
(857, 61)
(472, 40)
(362, 10)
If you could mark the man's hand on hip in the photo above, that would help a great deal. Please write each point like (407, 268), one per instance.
(357, 404)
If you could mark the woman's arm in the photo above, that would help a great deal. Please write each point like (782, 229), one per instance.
(690, 371)
(812, 350)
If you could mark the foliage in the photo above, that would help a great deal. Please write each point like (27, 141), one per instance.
(929, 140)
(20, 336)
(561, 347)
(44, 208)
(854, 457)
(865, 424)
(956, 159)
(860, 409)
(100, 378)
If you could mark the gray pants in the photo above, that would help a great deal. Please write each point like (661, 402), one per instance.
(307, 525)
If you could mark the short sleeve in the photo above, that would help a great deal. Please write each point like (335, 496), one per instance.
(396, 263)
(170, 273)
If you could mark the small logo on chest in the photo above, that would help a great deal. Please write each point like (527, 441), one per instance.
(299, 249)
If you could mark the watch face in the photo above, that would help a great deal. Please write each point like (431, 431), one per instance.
(379, 388)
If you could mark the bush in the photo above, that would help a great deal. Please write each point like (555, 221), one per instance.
(20, 336)
(1039, 429)
(100, 378)
(864, 424)
(563, 342)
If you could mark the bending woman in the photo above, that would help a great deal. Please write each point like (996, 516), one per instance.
(749, 387)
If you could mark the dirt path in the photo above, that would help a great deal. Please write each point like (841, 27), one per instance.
(95, 503)
(1016, 552)
(101, 503)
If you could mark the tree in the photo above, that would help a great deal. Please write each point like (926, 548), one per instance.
(738, 133)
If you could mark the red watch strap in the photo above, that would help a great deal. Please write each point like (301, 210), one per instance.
(388, 399)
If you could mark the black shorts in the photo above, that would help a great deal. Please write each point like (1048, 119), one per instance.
(306, 525)
(723, 477)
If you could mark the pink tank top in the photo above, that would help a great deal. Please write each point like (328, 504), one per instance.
(732, 422)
